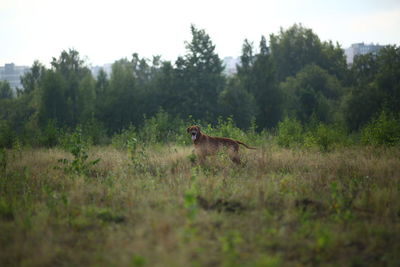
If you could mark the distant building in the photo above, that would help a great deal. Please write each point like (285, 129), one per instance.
(230, 65)
(360, 49)
(12, 74)
(107, 68)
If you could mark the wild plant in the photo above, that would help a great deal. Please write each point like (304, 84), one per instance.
(190, 197)
(3, 161)
(78, 147)
(290, 133)
(138, 155)
(384, 130)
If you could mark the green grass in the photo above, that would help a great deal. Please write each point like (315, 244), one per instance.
(157, 208)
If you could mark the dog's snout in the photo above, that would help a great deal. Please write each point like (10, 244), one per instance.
(194, 135)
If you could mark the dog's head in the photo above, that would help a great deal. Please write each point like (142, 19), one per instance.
(194, 132)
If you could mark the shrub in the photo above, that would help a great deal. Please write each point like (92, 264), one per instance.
(95, 131)
(384, 130)
(290, 133)
(225, 128)
(162, 128)
(78, 147)
(50, 135)
(122, 140)
(325, 137)
(7, 135)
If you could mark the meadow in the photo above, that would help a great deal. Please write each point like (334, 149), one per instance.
(155, 206)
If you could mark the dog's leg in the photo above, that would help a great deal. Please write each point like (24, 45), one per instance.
(234, 154)
(201, 156)
(236, 159)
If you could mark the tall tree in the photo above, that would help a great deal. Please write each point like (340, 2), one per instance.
(312, 92)
(65, 95)
(257, 75)
(237, 102)
(31, 80)
(121, 102)
(375, 87)
(297, 47)
(54, 104)
(266, 91)
(5, 90)
(200, 77)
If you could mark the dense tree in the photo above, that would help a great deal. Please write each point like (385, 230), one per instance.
(237, 102)
(376, 87)
(312, 92)
(297, 47)
(67, 91)
(297, 75)
(166, 91)
(120, 109)
(31, 80)
(54, 103)
(5, 90)
(199, 77)
(257, 76)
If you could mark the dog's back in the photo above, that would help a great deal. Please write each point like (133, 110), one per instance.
(207, 145)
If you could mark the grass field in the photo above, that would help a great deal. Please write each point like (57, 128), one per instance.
(156, 207)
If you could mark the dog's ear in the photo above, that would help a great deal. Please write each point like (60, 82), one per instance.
(187, 130)
(198, 127)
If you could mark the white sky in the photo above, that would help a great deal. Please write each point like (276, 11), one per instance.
(105, 31)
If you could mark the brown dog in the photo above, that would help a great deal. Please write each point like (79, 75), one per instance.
(207, 145)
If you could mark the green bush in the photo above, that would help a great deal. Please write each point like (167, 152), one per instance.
(384, 130)
(325, 137)
(225, 128)
(122, 140)
(50, 135)
(95, 131)
(78, 147)
(290, 133)
(7, 135)
(162, 128)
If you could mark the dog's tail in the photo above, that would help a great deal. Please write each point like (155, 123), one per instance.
(249, 147)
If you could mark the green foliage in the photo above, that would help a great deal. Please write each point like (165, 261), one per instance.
(78, 147)
(31, 80)
(3, 161)
(325, 137)
(122, 140)
(138, 156)
(312, 92)
(138, 261)
(296, 47)
(95, 132)
(375, 87)
(199, 78)
(7, 135)
(294, 74)
(257, 77)
(162, 128)
(50, 135)
(190, 197)
(226, 128)
(237, 102)
(5, 90)
(229, 247)
(289, 133)
(383, 130)
(6, 210)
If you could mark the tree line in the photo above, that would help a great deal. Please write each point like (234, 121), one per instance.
(293, 75)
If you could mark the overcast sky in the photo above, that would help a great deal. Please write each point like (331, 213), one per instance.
(105, 31)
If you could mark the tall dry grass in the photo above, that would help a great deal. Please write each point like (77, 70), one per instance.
(159, 208)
